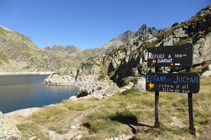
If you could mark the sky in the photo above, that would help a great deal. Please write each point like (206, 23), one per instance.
(88, 24)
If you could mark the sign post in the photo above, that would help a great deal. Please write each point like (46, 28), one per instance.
(172, 56)
(190, 108)
(157, 123)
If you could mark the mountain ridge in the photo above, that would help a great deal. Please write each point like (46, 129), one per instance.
(128, 62)
(19, 53)
(113, 43)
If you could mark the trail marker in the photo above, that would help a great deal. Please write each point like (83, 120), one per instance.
(172, 56)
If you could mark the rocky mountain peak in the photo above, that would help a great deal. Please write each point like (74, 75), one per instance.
(143, 30)
(128, 32)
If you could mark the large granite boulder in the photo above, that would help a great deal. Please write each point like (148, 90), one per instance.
(8, 130)
(202, 50)
(140, 85)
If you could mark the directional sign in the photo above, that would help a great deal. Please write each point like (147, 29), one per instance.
(171, 56)
(173, 82)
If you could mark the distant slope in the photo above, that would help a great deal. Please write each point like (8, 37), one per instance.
(67, 49)
(18, 53)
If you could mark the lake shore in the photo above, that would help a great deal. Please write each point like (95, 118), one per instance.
(22, 112)
(26, 73)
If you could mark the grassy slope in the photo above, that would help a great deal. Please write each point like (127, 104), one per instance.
(129, 113)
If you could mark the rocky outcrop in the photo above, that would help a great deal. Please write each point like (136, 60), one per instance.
(8, 130)
(88, 85)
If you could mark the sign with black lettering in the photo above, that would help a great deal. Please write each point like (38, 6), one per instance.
(171, 56)
(173, 82)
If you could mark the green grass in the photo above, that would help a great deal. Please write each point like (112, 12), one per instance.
(130, 113)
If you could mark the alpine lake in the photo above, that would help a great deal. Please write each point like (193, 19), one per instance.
(26, 91)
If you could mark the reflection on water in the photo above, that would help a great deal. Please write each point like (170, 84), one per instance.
(18, 92)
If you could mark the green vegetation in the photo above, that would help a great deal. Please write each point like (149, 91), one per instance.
(129, 113)
(182, 41)
(195, 69)
(203, 35)
(111, 74)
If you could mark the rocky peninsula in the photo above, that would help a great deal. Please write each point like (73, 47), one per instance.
(88, 85)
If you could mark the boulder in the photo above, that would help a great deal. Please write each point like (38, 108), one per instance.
(206, 74)
(8, 130)
(200, 43)
(140, 85)
(73, 98)
(112, 90)
(125, 81)
(83, 92)
(202, 50)
(129, 86)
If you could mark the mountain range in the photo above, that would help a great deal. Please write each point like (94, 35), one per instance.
(19, 54)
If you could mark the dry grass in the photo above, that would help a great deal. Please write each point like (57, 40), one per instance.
(129, 113)
(4, 58)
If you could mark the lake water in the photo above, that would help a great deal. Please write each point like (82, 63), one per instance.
(25, 91)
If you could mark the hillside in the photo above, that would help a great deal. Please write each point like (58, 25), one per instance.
(129, 61)
(19, 53)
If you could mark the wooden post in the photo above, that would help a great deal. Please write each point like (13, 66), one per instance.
(157, 123)
(190, 107)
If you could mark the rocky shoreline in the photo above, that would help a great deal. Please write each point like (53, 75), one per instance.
(26, 73)
(88, 85)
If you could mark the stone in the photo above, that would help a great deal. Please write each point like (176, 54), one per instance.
(152, 39)
(179, 31)
(145, 55)
(200, 43)
(140, 85)
(206, 74)
(78, 137)
(73, 98)
(129, 86)
(168, 43)
(203, 52)
(127, 80)
(112, 90)
(209, 67)
(8, 130)
(32, 138)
